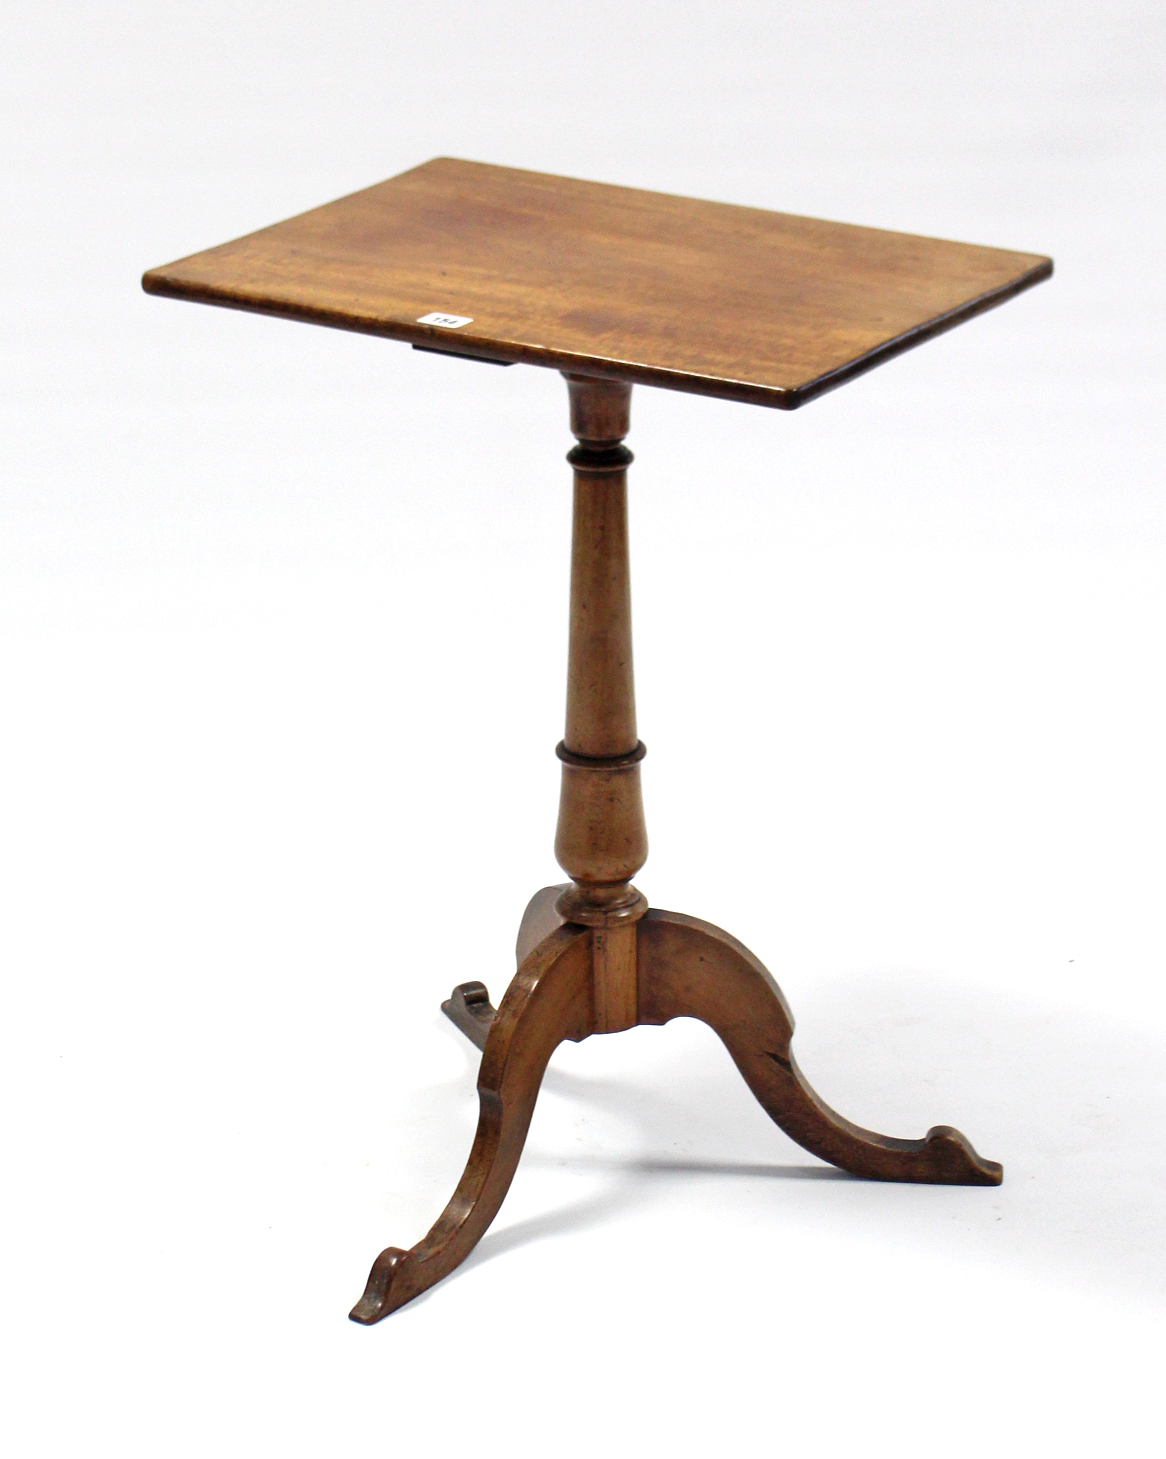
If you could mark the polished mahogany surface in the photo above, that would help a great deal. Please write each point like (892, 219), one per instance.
(607, 281)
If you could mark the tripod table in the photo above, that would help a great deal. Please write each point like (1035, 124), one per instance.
(613, 286)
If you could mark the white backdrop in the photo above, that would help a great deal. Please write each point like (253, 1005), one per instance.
(282, 644)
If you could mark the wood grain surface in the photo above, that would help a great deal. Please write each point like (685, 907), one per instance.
(613, 282)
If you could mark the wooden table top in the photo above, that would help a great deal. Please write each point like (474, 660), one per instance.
(611, 281)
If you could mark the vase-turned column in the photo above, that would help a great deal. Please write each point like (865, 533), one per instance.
(602, 841)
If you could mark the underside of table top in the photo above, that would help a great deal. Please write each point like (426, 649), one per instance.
(706, 297)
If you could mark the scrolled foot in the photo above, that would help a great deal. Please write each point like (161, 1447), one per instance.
(953, 1161)
(377, 1301)
(688, 967)
(470, 1008)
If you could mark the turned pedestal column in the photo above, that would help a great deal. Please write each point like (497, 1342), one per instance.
(601, 840)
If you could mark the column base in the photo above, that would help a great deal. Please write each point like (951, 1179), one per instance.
(678, 967)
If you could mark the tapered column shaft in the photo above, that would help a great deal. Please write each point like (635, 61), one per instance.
(601, 840)
(601, 692)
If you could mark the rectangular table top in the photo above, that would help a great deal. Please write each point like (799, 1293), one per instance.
(514, 266)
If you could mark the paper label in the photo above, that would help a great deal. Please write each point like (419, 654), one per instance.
(445, 321)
